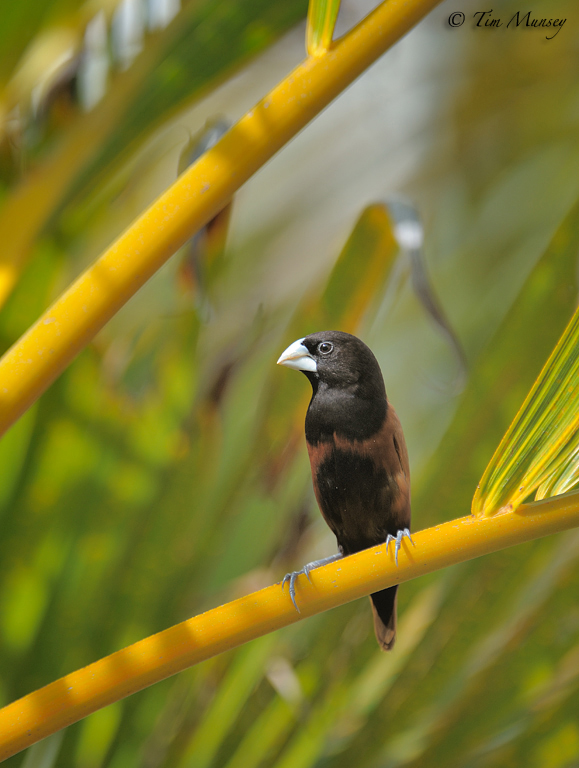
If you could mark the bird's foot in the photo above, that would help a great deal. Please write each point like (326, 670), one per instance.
(398, 539)
(291, 577)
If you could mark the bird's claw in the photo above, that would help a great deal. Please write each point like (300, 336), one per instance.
(398, 539)
(292, 577)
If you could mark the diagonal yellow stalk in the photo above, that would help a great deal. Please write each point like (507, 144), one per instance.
(33, 363)
(148, 661)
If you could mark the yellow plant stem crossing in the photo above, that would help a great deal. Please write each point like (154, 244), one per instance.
(76, 695)
(33, 363)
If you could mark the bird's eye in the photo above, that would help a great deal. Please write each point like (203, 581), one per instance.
(324, 348)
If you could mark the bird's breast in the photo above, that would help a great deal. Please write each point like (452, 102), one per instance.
(355, 491)
(334, 413)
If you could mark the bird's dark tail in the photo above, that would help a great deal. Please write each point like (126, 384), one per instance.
(384, 610)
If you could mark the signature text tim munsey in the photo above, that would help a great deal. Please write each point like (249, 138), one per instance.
(485, 20)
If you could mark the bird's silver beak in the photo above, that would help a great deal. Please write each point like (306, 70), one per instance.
(298, 357)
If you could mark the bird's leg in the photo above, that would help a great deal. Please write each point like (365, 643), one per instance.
(291, 577)
(398, 539)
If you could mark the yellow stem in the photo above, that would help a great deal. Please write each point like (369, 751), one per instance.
(76, 695)
(33, 363)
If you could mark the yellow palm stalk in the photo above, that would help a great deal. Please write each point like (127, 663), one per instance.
(33, 363)
(80, 693)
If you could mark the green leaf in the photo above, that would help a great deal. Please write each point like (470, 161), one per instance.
(541, 447)
(44, 753)
(242, 677)
(97, 734)
(322, 15)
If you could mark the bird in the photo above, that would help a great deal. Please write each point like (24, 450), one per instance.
(358, 457)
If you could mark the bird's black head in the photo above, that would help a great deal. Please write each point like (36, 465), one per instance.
(336, 361)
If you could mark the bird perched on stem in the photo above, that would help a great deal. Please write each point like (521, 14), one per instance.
(358, 456)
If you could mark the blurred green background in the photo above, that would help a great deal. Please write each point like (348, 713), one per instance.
(165, 472)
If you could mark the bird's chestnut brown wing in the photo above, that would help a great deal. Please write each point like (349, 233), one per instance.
(363, 486)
